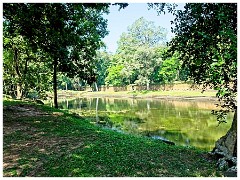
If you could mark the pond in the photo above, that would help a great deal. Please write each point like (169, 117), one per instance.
(187, 123)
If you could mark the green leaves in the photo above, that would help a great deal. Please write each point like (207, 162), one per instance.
(139, 51)
(66, 35)
(169, 70)
(206, 38)
(114, 76)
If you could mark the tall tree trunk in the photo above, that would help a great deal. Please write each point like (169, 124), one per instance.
(24, 77)
(18, 74)
(96, 87)
(97, 118)
(19, 91)
(55, 83)
(147, 86)
(228, 143)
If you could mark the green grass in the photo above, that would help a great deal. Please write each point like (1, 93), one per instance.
(153, 94)
(59, 144)
(176, 93)
(137, 94)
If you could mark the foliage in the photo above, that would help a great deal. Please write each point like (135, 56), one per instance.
(138, 51)
(91, 28)
(64, 82)
(142, 33)
(114, 76)
(146, 60)
(140, 55)
(169, 70)
(160, 7)
(68, 33)
(145, 33)
(23, 67)
(103, 63)
(206, 38)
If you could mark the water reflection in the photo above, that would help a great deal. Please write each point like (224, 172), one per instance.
(188, 123)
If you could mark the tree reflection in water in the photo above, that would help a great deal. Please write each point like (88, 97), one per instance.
(188, 123)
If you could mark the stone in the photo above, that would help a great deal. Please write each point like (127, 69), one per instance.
(218, 153)
(163, 140)
(168, 142)
(222, 164)
(220, 149)
(234, 160)
(231, 172)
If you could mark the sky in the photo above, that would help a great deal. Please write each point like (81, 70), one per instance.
(118, 21)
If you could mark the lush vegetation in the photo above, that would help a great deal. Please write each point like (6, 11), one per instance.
(75, 64)
(51, 142)
(65, 36)
(51, 46)
(206, 37)
(34, 50)
(139, 59)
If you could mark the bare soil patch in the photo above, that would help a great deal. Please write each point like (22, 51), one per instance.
(34, 141)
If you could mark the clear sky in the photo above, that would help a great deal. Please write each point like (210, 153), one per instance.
(118, 21)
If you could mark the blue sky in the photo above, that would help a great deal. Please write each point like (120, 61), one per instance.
(118, 21)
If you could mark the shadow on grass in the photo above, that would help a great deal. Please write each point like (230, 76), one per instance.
(65, 145)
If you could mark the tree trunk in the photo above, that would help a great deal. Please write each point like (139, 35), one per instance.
(55, 83)
(228, 143)
(97, 118)
(18, 74)
(147, 86)
(96, 87)
(19, 91)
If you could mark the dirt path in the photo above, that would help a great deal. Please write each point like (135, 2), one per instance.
(22, 140)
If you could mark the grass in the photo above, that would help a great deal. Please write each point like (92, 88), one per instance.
(43, 141)
(175, 93)
(153, 94)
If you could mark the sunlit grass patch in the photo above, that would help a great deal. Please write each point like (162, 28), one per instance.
(68, 145)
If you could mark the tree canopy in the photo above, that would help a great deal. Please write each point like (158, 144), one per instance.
(206, 37)
(69, 33)
(139, 53)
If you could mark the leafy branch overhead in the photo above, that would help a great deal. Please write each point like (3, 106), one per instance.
(206, 39)
(69, 34)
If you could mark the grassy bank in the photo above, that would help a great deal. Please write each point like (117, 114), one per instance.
(173, 94)
(42, 141)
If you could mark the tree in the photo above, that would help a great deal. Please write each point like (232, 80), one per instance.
(114, 76)
(145, 33)
(103, 62)
(146, 59)
(124, 56)
(169, 70)
(69, 33)
(64, 82)
(138, 51)
(206, 39)
(24, 71)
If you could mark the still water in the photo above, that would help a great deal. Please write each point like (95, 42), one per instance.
(187, 123)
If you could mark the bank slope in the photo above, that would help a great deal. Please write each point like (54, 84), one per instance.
(43, 141)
